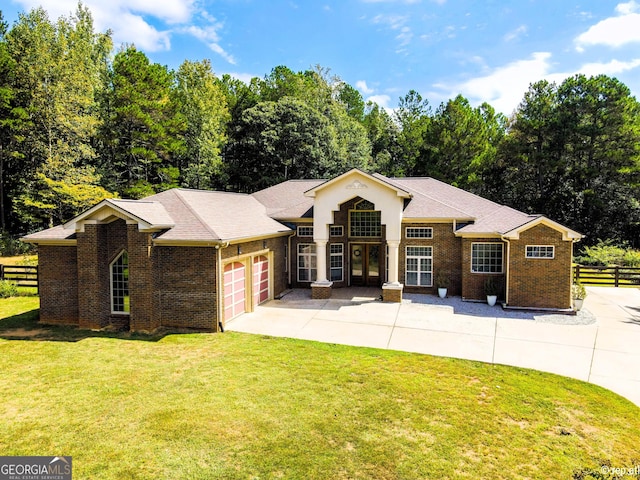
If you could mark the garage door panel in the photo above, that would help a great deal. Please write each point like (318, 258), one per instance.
(234, 290)
(260, 279)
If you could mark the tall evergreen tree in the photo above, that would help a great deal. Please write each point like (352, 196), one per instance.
(203, 106)
(572, 153)
(140, 126)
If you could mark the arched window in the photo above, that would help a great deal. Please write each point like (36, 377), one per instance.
(364, 220)
(120, 284)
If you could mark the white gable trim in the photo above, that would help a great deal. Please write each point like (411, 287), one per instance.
(567, 233)
(358, 185)
(104, 212)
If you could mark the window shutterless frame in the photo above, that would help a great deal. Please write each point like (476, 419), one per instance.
(487, 257)
(540, 251)
(119, 277)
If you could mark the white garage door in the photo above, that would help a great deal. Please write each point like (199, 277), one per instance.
(234, 290)
(260, 279)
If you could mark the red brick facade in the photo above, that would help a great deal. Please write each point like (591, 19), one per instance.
(540, 282)
(446, 256)
(473, 284)
(169, 286)
(58, 284)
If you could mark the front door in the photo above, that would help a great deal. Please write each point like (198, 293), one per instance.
(365, 264)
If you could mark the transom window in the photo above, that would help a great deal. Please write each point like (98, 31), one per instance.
(305, 231)
(419, 266)
(486, 257)
(120, 284)
(419, 232)
(336, 231)
(307, 268)
(364, 220)
(336, 261)
(540, 251)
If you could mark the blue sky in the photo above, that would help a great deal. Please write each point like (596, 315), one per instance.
(486, 50)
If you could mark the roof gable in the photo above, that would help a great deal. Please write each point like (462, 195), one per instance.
(567, 233)
(355, 178)
(149, 215)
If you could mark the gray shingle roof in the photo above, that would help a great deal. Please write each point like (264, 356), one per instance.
(203, 215)
(199, 216)
(287, 200)
(184, 215)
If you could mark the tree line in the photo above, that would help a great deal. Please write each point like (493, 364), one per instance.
(80, 121)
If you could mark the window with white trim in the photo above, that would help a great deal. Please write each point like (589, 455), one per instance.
(540, 251)
(419, 266)
(336, 262)
(336, 231)
(305, 231)
(365, 220)
(486, 257)
(120, 284)
(307, 267)
(419, 232)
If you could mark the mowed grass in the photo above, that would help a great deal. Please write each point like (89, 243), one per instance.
(237, 406)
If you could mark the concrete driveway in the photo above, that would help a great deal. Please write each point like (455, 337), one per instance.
(605, 352)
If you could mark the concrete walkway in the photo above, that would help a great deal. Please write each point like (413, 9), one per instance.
(606, 352)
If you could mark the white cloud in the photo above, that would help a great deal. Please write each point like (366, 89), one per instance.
(613, 31)
(140, 33)
(395, 22)
(614, 67)
(382, 100)
(516, 33)
(209, 36)
(243, 77)
(136, 21)
(363, 87)
(504, 87)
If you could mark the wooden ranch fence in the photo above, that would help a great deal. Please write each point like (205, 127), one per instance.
(24, 276)
(611, 276)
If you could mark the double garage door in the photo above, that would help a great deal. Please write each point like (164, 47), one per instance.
(236, 285)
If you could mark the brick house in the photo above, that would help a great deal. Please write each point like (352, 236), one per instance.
(196, 259)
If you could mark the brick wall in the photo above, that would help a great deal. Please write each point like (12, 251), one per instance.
(58, 283)
(184, 287)
(537, 282)
(446, 256)
(142, 317)
(473, 283)
(94, 307)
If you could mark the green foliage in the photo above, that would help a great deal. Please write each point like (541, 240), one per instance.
(492, 285)
(607, 253)
(142, 129)
(578, 292)
(573, 154)
(442, 279)
(77, 123)
(10, 247)
(8, 289)
(203, 105)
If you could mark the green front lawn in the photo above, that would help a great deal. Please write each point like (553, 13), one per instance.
(207, 406)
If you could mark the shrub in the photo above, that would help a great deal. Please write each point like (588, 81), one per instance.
(8, 289)
(606, 253)
(578, 291)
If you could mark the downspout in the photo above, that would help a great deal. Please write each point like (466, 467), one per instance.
(507, 273)
(295, 232)
(220, 283)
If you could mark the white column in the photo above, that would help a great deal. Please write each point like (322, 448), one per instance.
(321, 261)
(393, 261)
